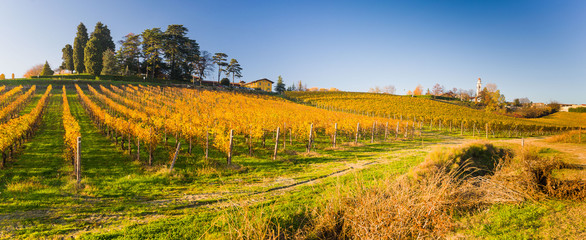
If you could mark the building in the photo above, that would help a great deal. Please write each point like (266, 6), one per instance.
(566, 107)
(262, 84)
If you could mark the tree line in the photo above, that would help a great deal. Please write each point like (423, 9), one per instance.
(154, 53)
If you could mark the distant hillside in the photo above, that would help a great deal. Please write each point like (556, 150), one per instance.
(435, 112)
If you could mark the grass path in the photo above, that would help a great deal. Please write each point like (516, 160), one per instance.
(39, 171)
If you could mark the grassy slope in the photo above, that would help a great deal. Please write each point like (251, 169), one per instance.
(124, 199)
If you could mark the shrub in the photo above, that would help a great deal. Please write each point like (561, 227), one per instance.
(480, 158)
(578, 109)
(225, 82)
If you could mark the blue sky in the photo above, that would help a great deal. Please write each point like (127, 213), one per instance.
(534, 49)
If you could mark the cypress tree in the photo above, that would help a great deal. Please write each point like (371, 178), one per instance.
(79, 47)
(93, 58)
(67, 58)
(102, 43)
(109, 62)
(46, 70)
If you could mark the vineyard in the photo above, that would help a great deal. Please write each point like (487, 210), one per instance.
(431, 113)
(85, 156)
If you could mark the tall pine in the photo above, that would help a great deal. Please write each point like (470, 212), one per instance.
(67, 58)
(101, 40)
(152, 43)
(179, 51)
(79, 47)
(93, 57)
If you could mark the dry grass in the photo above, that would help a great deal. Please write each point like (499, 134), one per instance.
(28, 185)
(569, 137)
(422, 203)
(246, 222)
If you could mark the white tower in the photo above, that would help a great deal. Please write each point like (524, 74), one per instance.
(478, 87)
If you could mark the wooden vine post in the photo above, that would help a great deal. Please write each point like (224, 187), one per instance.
(276, 143)
(231, 146)
(461, 128)
(397, 131)
(372, 132)
(138, 149)
(335, 133)
(357, 130)
(386, 130)
(207, 144)
(486, 126)
(78, 161)
(310, 142)
(175, 156)
(284, 136)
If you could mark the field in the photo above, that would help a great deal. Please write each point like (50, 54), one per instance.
(257, 166)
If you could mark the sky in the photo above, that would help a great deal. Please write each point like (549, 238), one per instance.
(528, 48)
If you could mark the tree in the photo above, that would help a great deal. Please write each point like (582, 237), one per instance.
(234, 68)
(180, 51)
(438, 89)
(79, 44)
(292, 87)
(389, 89)
(46, 70)
(220, 60)
(280, 87)
(203, 64)
(102, 41)
(301, 86)
(225, 82)
(102, 33)
(2, 76)
(129, 52)
(152, 44)
(67, 58)
(109, 61)
(375, 89)
(418, 90)
(93, 58)
(34, 71)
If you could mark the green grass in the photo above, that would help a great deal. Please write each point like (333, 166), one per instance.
(552, 219)
(39, 197)
(121, 197)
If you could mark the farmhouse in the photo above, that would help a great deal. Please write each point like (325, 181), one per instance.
(263, 84)
(566, 107)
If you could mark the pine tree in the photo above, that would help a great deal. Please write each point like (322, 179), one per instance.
(109, 62)
(79, 47)
(102, 42)
(93, 58)
(180, 51)
(220, 60)
(67, 58)
(280, 87)
(102, 33)
(46, 70)
(234, 68)
(152, 43)
(129, 52)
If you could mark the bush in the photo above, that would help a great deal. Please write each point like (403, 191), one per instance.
(479, 158)
(225, 82)
(578, 109)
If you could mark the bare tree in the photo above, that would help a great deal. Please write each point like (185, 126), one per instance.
(389, 89)
(491, 87)
(376, 89)
(438, 89)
